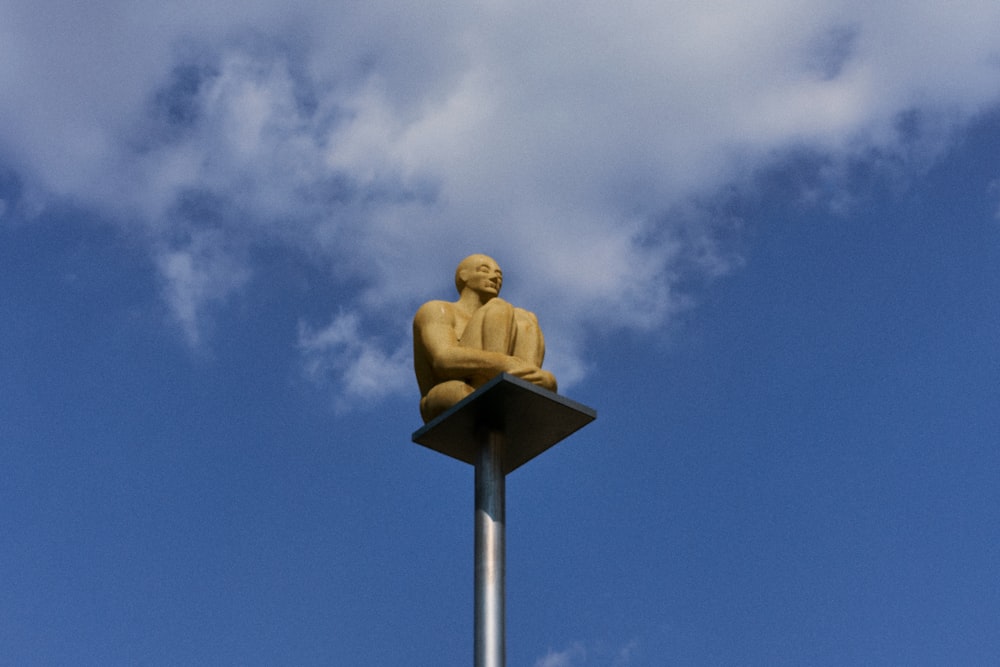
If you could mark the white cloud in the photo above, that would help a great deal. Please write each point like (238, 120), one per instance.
(343, 354)
(624, 656)
(578, 654)
(391, 140)
(196, 275)
(994, 189)
(574, 655)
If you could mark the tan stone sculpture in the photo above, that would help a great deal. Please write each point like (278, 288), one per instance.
(459, 346)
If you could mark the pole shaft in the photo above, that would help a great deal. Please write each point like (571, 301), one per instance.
(490, 640)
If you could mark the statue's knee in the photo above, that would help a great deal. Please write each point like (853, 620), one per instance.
(499, 326)
(526, 322)
(526, 317)
(497, 307)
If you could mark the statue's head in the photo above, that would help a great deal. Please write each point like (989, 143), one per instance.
(480, 273)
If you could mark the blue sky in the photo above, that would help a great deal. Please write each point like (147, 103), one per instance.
(763, 241)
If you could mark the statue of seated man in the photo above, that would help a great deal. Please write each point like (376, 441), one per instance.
(459, 346)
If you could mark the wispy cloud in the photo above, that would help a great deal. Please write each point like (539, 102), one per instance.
(195, 275)
(579, 654)
(576, 654)
(391, 141)
(343, 355)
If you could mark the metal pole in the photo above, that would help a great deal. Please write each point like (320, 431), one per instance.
(490, 648)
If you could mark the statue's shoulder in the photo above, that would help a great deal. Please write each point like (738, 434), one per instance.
(435, 311)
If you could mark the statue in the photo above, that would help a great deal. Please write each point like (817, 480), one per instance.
(459, 346)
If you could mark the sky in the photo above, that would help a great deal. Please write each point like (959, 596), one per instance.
(762, 239)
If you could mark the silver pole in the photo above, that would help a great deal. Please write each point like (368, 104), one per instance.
(490, 649)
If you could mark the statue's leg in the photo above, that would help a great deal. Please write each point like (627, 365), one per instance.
(441, 397)
(492, 328)
(529, 344)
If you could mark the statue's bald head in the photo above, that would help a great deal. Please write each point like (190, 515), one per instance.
(470, 263)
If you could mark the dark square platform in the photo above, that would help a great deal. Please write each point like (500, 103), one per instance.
(531, 419)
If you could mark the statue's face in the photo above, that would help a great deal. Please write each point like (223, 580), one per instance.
(482, 275)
